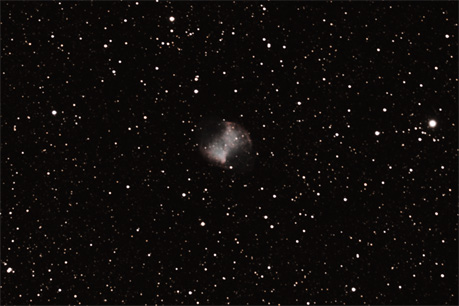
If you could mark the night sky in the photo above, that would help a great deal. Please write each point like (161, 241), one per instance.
(342, 188)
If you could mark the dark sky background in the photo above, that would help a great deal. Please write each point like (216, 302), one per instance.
(351, 196)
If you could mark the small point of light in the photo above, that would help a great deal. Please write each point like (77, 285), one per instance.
(54, 113)
(432, 123)
(203, 223)
(377, 133)
(172, 19)
(353, 289)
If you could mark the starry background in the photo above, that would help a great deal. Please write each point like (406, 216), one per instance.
(352, 111)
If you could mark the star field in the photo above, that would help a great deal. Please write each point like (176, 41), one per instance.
(351, 193)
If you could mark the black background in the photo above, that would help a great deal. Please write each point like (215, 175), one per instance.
(73, 232)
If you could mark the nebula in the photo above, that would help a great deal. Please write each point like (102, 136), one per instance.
(226, 144)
